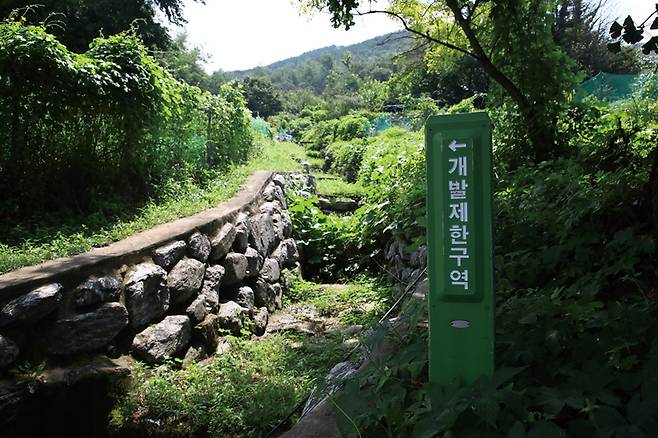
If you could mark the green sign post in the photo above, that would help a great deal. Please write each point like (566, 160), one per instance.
(461, 298)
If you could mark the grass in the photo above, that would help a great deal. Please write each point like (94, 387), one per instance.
(335, 186)
(316, 163)
(50, 236)
(361, 302)
(244, 392)
(249, 389)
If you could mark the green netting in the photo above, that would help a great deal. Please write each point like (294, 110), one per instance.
(611, 87)
(385, 121)
(261, 126)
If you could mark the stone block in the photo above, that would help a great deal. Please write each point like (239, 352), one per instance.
(167, 256)
(163, 340)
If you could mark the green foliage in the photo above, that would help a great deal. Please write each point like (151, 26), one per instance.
(575, 268)
(76, 23)
(584, 217)
(346, 158)
(185, 64)
(261, 98)
(565, 367)
(526, 50)
(446, 79)
(346, 128)
(375, 94)
(48, 235)
(371, 60)
(577, 29)
(511, 40)
(333, 186)
(351, 127)
(110, 122)
(393, 174)
(330, 245)
(391, 180)
(360, 302)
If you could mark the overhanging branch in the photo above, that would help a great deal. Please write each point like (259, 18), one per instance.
(419, 33)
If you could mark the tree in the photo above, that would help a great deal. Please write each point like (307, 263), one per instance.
(77, 22)
(215, 81)
(448, 83)
(631, 33)
(510, 39)
(260, 96)
(579, 29)
(184, 63)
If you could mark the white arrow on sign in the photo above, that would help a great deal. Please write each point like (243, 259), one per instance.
(454, 145)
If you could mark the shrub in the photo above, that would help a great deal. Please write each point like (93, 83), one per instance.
(325, 132)
(576, 330)
(346, 157)
(107, 122)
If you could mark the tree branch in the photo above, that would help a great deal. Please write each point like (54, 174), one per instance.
(486, 63)
(412, 50)
(419, 33)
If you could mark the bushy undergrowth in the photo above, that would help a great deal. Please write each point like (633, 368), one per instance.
(575, 269)
(392, 182)
(565, 367)
(109, 123)
(331, 245)
(323, 132)
(346, 157)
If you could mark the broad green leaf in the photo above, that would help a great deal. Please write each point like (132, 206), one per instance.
(516, 431)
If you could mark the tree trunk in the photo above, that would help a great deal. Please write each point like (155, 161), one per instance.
(539, 131)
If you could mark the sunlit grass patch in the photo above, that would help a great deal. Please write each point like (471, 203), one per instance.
(361, 302)
(335, 186)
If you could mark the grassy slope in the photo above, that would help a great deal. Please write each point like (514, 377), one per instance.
(29, 244)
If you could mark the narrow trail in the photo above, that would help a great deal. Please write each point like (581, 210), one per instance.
(265, 377)
(321, 335)
(313, 318)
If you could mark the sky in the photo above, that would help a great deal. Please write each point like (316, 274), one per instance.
(638, 9)
(242, 34)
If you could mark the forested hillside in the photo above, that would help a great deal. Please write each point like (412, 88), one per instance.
(374, 58)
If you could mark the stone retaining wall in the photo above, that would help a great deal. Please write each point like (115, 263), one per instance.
(171, 291)
(405, 263)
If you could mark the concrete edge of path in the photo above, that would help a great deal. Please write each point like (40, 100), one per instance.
(321, 422)
(135, 248)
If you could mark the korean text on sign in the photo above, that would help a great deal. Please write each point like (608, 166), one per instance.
(458, 219)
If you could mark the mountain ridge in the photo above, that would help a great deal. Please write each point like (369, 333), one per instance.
(372, 51)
